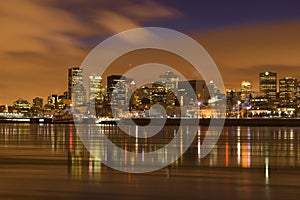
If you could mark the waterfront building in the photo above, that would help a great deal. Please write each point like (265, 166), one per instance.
(288, 90)
(3, 109)
(21, 105)
(76, 90)
(268, 84)
(260, 104)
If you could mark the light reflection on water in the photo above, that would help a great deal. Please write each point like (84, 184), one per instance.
(238, 147)
(245, 156)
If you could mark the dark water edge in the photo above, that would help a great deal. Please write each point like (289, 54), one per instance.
(291, 122)
(227, 122)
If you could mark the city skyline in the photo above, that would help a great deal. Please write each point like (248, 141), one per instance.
(243, 38)
(122, 98)
(87, 94)
(150, 99)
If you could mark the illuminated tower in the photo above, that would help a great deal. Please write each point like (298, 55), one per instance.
(170, 80)
(288, 88)
(245, 89)
(118, 89)
(95, 88)
(52, 100)
(268, 84)
(76, 91)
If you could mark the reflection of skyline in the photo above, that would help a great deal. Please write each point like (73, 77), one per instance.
(238, 147)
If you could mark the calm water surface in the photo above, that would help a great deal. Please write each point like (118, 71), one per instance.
(50, 162)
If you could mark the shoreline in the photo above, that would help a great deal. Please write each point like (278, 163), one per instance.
(175, 122)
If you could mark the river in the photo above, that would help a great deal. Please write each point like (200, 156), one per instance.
(49, 161)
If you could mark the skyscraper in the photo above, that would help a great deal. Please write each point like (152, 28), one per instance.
(245, 89)
(76, 89)
(288, 88)
(117, 90)
(112, 81)
(52, 100)
(170, 80)
(199, 88)
(268, 84)
(95, 88)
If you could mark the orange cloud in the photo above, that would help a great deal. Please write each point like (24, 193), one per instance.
(41, 39)
(242, 52)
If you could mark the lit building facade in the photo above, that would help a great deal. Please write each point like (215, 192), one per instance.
(245, 90)
(119, 92)
(52, 101)
(288, 90)
(198, 87)
(76, 90)
(95, 88)
(141, 98)
(216, 96)
(159, 93)
(169, 80)
(21, 105)
(112, 81)
(268, 84)
(260, 105)
(63, 100)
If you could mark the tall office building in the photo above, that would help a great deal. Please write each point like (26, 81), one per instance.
(245, 89)
(288, 90)
(118, 89)
(112, 81)
(268, 84)
(52, 100)
(76, 90)
(216, 96)
(95, 88)
(199, 88)
(169, 80)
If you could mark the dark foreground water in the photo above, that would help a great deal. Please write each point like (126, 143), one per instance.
(50, 162)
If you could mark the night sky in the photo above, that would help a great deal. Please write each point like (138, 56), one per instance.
(41, 39)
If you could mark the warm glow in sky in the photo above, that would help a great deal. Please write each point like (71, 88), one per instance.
(41, 39)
